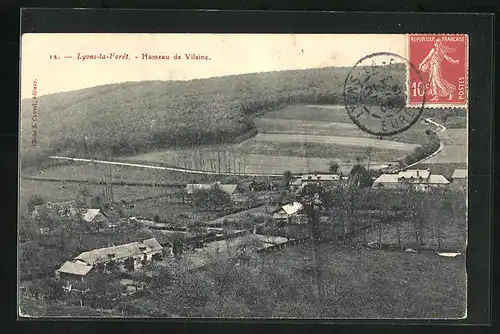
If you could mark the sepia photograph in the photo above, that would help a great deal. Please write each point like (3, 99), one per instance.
(259, 176)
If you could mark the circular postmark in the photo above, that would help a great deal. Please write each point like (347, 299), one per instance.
(375, 94)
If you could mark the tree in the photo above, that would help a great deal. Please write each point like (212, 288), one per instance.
(197, 228)
(361, 176)
(84, 195)
(177, 245)
(415, 206)
(357, 169)
(287, 178)
(97, 202)
(35, 200)
(129, 264)
(312, 203)
(368, 153)
(211, 199)
(28, 230)
(333, 167)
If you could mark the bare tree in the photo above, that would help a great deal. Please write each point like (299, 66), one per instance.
(398, 233)
(218, 159)
(333, 167)
(368, 153)
(185, 158)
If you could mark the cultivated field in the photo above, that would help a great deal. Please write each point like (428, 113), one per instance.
(287, 136)
(274, 145)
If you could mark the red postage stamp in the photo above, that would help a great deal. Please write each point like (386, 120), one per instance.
(441, 64)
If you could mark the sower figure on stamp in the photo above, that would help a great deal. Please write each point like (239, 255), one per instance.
(432, 64)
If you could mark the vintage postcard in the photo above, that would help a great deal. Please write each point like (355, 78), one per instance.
(243, 176)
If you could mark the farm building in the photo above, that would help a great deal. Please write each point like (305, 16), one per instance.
(135, 253)
(420, 180)
(59, 209)
(459, 178)
(291, 213)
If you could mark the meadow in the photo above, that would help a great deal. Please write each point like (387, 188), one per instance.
(64, 191)
(355, 283)
(360, 283)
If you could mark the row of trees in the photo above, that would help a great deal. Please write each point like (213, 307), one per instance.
(220, 160)
(421, 152)
(435, 216)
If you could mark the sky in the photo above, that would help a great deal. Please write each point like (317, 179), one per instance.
(228, 53)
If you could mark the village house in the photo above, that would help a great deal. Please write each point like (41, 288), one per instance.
(123, 257)
(459, 179)
(233, 190)
(292, 213)
(53, 210)
(420, 180)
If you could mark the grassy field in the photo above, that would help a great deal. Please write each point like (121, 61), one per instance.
(359, 283)
(64, 191)
(356, 284)
(97, 172)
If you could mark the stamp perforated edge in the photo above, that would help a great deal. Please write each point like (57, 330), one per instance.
(463, 105)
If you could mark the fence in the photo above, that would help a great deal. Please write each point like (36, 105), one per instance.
(283, 245)
(115, 183)
(212, 238)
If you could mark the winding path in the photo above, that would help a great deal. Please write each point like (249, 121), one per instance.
(441, 128)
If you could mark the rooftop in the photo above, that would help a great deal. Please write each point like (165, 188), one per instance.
(460, 174)
(90, 214)
(414, 173)
(395, 178)
(75, 268)
(119, 252)
(292, 208)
